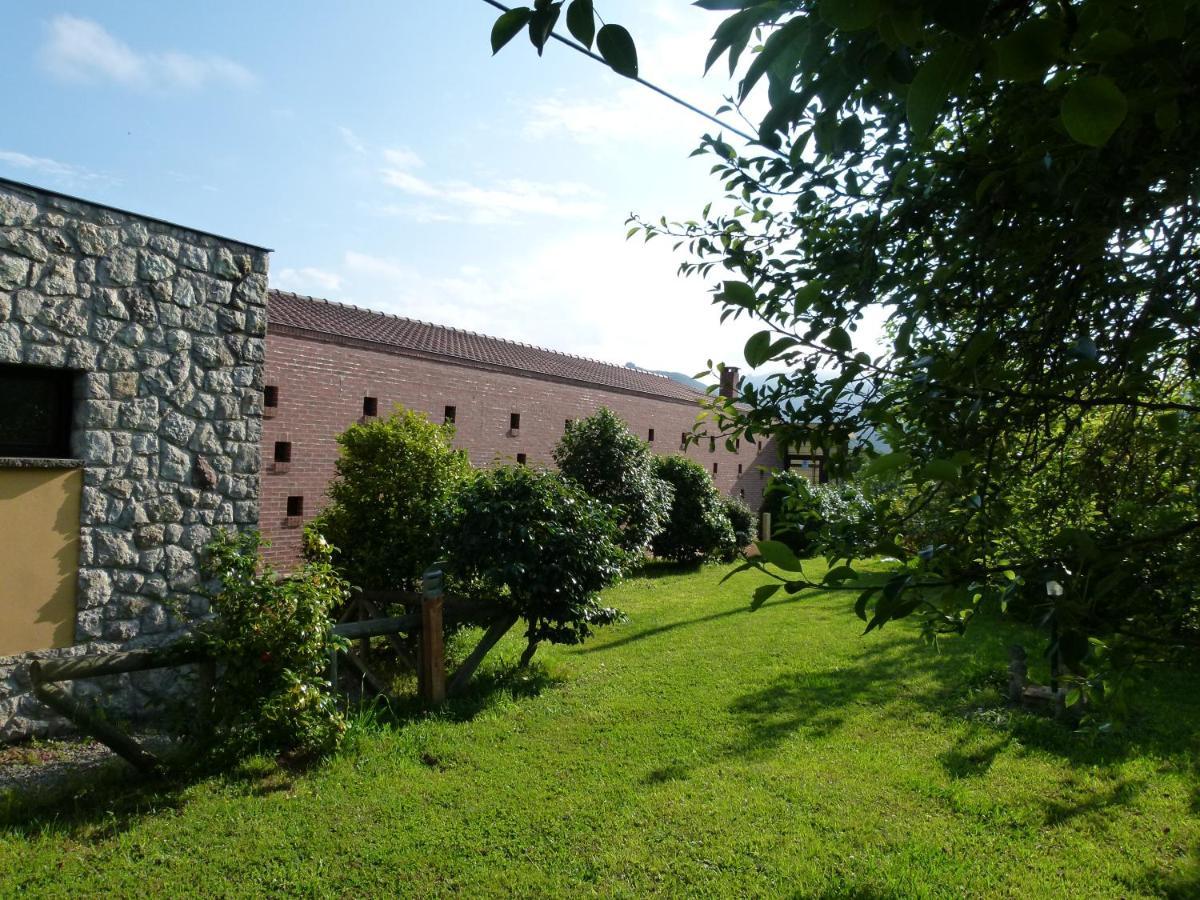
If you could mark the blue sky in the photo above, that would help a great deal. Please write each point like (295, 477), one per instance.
(388, 159)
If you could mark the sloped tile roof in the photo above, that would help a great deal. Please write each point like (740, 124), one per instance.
(327, 318)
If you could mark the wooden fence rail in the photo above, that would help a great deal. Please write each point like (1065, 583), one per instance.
(428, 618)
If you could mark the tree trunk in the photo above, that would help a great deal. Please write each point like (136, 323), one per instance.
(527, 656)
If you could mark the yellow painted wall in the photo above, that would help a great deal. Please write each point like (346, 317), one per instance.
(39, 557)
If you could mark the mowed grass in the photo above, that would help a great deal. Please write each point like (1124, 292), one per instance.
(700, 750)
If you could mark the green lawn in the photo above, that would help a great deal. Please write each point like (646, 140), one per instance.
(699, 749)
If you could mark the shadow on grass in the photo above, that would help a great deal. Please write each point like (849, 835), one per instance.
(103, 803)
(663, 568)
(743, 610)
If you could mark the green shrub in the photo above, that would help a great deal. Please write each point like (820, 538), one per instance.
(698, 526)
(395, 481)
(811, 519)
(742, 519)
(271, 638)
(601, 455)
(544, 547)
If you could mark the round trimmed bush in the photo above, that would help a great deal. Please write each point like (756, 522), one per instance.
(698, 526)
(601, 455)
(541, 545)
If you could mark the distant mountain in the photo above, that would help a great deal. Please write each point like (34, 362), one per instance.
(674, 376)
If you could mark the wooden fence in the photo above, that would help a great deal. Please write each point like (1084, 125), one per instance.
(426, 615)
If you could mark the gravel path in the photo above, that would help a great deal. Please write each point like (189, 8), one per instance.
(37, 765)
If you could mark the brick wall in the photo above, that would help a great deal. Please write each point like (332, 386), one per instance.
(321, 386)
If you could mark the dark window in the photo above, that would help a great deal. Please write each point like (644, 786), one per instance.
(737, 445)
(742, 493)
(567, 424)
(712, 445)
(714, 468)
(295, 506)
(449, 414)
(760, 446)
(35, 412)
(521, 459)
(739, 468)
(271, 395)
(370, 406)
(683, 438)
(514, 421)
(283, 451)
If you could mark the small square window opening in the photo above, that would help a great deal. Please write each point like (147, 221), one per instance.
(449, 415)
(283, 451)
(370, 406)
(514, 421)
(295, 506)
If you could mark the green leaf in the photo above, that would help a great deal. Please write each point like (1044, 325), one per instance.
(849, 15)
(1093, 109)
(795, 31)
(1029, 51)
(541, 24)
(764, 593)
(739, 293)
(838, 339)
(758, 349)
(860, 605)
(616, 46)
(508, 26)
(931, 87)
(581, 21)
(839, 575)
(779, 555)
(940, 470)
(889, 462)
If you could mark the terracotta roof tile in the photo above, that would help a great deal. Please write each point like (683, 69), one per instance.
(325, 317)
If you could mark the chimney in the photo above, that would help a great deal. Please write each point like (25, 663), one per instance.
(729, 382)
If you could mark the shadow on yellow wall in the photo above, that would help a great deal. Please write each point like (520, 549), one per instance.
(39, 557)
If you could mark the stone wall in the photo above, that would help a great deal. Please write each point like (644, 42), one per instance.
(165, 329)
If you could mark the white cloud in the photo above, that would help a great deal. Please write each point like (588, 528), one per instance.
(352, 140)
(51, 168)
(307, 280)
(501, 202)
(82, 50)
(589, 293)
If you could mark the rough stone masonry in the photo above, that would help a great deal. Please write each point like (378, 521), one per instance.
(164, 329)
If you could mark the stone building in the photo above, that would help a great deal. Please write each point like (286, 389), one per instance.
(131, 355)
(145, 380)
(329, 365)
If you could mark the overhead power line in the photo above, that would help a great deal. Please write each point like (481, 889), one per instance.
(579, 48)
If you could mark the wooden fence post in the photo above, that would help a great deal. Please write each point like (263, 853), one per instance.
(432, 675)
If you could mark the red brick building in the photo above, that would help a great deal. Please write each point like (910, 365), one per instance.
(329, 365)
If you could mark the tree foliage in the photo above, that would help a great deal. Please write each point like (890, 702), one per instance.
(271, 638)
(601, 455)
(541, 545)
(395, 480)
(1013, 186)
(698, 526)
(743, 522)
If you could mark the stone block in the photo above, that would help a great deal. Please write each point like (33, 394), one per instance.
(14, 272)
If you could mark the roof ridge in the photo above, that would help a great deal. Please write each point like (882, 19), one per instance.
(477, 334)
